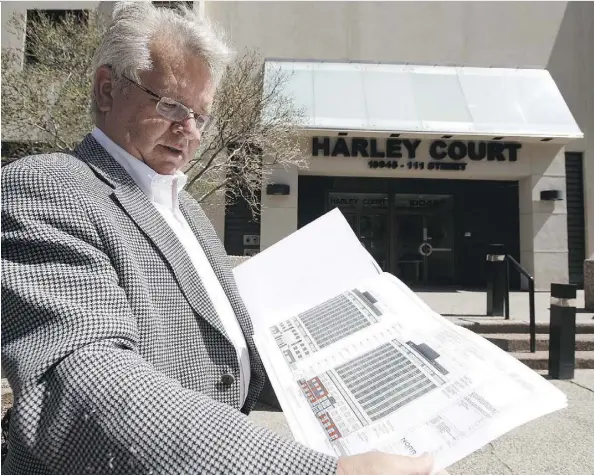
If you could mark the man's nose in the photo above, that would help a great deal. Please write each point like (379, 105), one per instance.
(189, 128)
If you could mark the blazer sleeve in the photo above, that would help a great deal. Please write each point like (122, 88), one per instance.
(86, 401)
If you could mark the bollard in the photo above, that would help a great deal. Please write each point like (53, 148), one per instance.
(562, 331)
(496, 280)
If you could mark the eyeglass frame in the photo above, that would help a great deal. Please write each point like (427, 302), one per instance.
(195, 115)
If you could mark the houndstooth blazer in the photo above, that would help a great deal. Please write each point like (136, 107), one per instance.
(118, 361)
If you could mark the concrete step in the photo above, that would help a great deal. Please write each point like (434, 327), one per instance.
(540, 359)
(521, 341)
(485, 326)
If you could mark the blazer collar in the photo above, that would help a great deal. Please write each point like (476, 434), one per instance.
(108, 169)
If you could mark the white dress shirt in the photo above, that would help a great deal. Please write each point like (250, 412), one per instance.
(163, 191)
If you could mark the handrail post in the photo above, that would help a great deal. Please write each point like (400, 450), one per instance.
(532, 316)
(496, 280)
(522, 271)
(507, 287)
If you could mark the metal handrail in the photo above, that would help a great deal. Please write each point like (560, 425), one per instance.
(525, 273)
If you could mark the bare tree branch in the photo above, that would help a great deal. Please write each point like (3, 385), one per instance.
(214, 190)
(254, 123)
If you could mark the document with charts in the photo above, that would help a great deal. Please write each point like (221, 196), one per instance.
(359, 362)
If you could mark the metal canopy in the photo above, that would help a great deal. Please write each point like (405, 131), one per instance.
(428, 99)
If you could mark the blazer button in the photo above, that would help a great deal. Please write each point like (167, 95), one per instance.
(227, 379)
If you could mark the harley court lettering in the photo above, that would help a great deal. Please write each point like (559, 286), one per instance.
(368, 148)
(492, 151)
(399, 148)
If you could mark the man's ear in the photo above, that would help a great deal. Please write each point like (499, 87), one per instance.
(103, 88)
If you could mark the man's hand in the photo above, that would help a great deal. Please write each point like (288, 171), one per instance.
(381, 463)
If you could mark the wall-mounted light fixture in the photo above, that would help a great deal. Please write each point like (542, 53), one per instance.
(551, 195)
(278, 189)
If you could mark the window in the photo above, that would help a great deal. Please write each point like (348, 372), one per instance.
(172, 4)
(54, 16)
(576, 227)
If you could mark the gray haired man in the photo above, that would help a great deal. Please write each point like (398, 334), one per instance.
(124, 338)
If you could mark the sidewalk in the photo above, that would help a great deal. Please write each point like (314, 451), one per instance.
(557, 444)
(471, 305)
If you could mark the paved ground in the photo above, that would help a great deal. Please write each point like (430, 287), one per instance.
(557, 444)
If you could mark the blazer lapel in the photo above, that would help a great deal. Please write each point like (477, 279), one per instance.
(217, 256)
(136, 204)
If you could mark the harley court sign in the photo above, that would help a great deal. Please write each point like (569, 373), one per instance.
(458, 152)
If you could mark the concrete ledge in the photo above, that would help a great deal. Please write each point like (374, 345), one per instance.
(499, 325)
(514, 342)
(540, 359)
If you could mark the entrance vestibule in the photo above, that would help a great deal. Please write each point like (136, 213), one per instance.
(426, 232)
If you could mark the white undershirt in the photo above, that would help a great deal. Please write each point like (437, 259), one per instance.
(163, 191)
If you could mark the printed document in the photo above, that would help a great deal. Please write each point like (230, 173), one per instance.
(359, 362)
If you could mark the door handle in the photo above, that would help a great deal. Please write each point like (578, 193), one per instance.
(425, 249)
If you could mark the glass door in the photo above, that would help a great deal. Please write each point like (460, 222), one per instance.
(373, 234)
(410, 263)
(367, 213)
(439, 234)
(352, 218)
(424, 238)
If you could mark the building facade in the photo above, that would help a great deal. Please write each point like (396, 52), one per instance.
(427, 202)
(432, 225)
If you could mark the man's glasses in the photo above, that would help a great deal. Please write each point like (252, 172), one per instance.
(175, 111)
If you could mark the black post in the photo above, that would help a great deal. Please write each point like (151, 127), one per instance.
(507, 284)
(532, 316)
(562, 332)
(496, 274)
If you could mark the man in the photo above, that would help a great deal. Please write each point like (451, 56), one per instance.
(124, 338)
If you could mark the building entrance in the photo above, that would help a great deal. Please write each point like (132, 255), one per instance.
(424, 238)
(415, 241)
(426, 232)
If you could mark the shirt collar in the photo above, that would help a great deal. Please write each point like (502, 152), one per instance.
(160, 189)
